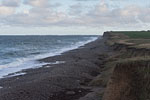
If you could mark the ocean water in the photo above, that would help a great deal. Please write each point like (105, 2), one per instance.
(22, 52)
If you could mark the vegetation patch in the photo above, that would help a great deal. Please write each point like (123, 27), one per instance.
(135, 34)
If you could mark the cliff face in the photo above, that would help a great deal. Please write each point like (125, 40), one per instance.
(129, 51)
(130, 79)
(128, 82)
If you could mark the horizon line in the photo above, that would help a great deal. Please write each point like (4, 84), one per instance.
(49, 35)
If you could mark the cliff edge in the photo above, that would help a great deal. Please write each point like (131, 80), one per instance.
(129, 78)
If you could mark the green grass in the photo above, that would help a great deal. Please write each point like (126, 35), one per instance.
(136, 34)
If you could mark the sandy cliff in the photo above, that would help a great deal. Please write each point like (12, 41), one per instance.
(130, 78)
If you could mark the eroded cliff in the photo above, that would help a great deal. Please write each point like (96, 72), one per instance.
(130, 77)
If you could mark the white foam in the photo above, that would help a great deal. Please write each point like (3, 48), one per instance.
(57, 62)
(25, 65)
(15, 74)
(19, 61)
(54, 63)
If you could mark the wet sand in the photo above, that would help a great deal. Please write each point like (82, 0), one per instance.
(66, 79)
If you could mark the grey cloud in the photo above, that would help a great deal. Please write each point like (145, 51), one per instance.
(76, 9)
(41, 3)
(56, 5)
(37, 3)
(11, 3)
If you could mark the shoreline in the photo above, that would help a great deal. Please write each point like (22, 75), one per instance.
(67, 81)
(34, 62)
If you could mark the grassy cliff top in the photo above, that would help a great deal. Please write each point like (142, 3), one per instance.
(135, 34)
(137, 39)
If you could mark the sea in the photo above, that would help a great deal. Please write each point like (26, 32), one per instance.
(23, 52)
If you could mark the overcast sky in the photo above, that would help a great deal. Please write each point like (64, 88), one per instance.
(56, 17)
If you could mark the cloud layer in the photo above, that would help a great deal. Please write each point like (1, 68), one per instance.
(43, 13)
